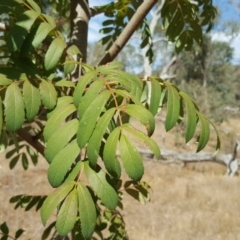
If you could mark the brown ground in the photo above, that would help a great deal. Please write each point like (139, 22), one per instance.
(195, 202)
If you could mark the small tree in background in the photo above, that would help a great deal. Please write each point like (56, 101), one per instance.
(76, 115)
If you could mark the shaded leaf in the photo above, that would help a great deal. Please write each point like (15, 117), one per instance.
(101, 187)
(14, 108)
(156, 91)
(131, 159)
(62, 162)
(18, 233)
(109, 154)
(54, 199)
(31, 98)
(96, 138)
(88, 120)
(87, 211)
(67, 214)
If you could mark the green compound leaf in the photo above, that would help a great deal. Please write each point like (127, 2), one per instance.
(31, 98)
(21, 28)
(81, 86)
(143, 115)
(62, 162)
(156, 91)
(54, 53)
(48, 94)
(67, 214)
(145, 139)
(14, 108)
(69, 64)
(109, 154)
(101, 187)
(96, 138)
(191, 116)
(54, 199)
(131, 159)
(60, 138)
(89, 119)
(34, 6)
(173, 107)
(56, 119)
(87, 211)
(205, 132)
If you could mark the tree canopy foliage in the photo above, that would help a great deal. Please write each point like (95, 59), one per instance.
(77, 115)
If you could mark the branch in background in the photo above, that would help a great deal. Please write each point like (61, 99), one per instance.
(167, 72)
(128, 31)
(31, 140)
(3, 27)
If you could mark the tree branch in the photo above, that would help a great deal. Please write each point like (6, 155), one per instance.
(128, 31)
(31, 140)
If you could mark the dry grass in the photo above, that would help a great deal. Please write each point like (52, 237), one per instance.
(195, 202)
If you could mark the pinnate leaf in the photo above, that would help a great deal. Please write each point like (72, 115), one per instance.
(31, 98)
(96, 138)
(14, 108)
(191, 116)
(87, 211)
(109, 154)
(156, 91)
(101, 187)
(67, 214)
(56, 119)
(54, 199)
(54, 53)
(89, 119)
(48, 94)
(173, 107)
(60, 138)
(131, 159)
(62, 162)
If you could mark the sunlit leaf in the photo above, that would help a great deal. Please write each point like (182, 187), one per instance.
(14, 108)
(54, 199)
(48, 94)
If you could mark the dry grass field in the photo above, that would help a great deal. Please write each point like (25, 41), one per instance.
(194, 202)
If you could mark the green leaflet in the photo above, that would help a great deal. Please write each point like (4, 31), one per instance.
(94, 89)
(69, 64)
(109, 154)
(4, 81)
(8, 74)
(14, 108)
(73, 50)
(1, 117)
(50, 20)
(67, 214)
(191, 116)
(54, 53)
(173, 107)
(36, 37)
(64, 83)
(101, 187)
(87, 211)
(31, 98)
(21, 28)
(218, 145)
(62, 162)
(74, 172)
(60, 138)
(56, 119)
(34, 6)
(90, 117)
(54, 199)
(48, 94)
(127, 95)
(80, 88)
(143, 115)
(156, 91)
(205, 132)
(131, 159)
(145, 139)
(96, 138)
